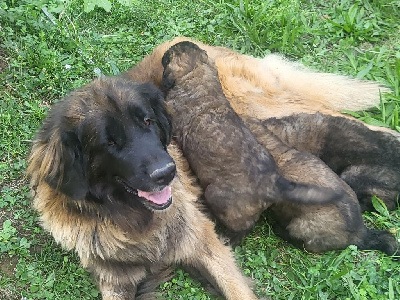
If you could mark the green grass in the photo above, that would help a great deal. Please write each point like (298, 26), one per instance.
(42, 58)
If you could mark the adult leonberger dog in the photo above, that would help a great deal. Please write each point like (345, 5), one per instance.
(107, 185)
(107, 182)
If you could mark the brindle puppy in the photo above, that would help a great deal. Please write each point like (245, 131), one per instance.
(103, 184)
(317, 228)
(239, 176)
(367, 160)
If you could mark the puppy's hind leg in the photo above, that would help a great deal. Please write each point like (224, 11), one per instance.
(323, 227)
(380, 240)
(117, 281)
(319, 228)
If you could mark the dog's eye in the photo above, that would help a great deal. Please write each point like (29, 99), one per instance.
(147, 121)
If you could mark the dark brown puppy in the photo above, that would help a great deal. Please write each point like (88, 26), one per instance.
(238, 175)
(368, 160)
(103, 184)
(317, 228)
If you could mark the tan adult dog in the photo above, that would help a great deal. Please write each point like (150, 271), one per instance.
(271, 86)
(107, 185)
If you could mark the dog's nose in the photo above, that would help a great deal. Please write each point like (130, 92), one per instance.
(165, 174)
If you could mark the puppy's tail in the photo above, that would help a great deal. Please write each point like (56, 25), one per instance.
(305, 193)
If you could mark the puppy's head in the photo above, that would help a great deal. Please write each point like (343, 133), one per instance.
(179, 60)
(106, 143)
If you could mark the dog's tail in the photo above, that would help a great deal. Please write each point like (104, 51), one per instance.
(335, 91)
(280, 78)
(306, 90)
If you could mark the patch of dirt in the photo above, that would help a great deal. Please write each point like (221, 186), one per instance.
(23, 230)
(5, 214)
(6, 294)
(8, 265)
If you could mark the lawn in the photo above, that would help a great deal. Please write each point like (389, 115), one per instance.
(50, 47)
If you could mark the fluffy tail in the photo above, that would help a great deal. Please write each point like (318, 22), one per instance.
(283, 80)
(335, 91)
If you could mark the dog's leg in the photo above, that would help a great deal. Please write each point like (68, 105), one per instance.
(318, 228)
(116, 283)
(219, 268)
(111, 291)
(123, 281)
(216, 263)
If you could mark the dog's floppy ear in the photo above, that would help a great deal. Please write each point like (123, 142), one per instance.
(56, 158)
(164, 121)
(168, 81)
(70, 177)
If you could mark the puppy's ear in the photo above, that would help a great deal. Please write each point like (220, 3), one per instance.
(179, 60)
(168, 80)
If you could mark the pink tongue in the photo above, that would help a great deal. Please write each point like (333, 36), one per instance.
(160, 197)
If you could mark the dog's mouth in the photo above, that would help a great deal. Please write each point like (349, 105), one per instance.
(154, 200)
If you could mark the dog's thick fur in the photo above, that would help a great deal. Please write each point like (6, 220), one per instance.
(100, 174)
(271, 86)
(239, 177)
(287, 99)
